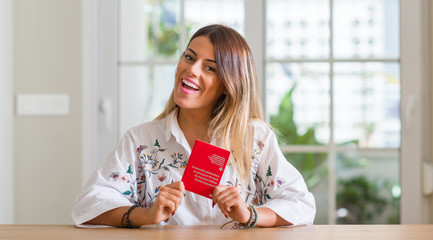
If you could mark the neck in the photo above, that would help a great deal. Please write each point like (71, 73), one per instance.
(194, 125)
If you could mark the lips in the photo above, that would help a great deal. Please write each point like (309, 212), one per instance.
(188, 86)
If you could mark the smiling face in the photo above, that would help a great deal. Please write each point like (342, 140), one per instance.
(198, 85)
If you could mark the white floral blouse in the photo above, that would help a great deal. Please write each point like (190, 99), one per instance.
(156, 153)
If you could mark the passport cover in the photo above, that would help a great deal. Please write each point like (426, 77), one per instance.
(205, 168)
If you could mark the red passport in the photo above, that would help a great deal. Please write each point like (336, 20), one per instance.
(205, 168)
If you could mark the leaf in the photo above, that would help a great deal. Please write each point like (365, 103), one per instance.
(268, 197)
(156, 143)
(258, 178)
(127, 192)
(163, 160)
(269, 173)
(129, 170)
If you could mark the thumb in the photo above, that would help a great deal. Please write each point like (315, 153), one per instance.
(181, 186)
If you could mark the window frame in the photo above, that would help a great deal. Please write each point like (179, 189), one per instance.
(415, 109)
(331, 149)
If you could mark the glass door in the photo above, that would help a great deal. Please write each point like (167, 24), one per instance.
(333, 92)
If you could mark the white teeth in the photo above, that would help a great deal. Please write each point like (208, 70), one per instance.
(190, 84)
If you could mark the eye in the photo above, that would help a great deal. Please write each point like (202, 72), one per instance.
(209, 68)
(188, 57)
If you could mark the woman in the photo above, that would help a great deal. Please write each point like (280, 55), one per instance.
(215, 99)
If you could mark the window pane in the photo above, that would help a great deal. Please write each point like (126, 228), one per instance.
(367, 104)
(143, 93)
(132, 23)
(314, 170)
(297, 29)
(297, 101)
(149, 29)
(368, 189)
(366, 29)
(199, 13)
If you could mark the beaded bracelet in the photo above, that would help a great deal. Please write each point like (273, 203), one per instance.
(253, 219)
(128, 221)
(254, 216)
(252, 222)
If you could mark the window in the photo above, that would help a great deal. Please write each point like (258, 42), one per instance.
(333, 90)
(335, 64)
(153, 34)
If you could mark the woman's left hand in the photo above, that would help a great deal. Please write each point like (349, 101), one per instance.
(231, 204)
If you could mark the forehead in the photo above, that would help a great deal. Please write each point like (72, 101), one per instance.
(203, 47)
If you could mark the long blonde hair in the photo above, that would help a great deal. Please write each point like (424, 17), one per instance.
(232, 115)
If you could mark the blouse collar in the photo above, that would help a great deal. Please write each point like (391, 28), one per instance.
(172, 129)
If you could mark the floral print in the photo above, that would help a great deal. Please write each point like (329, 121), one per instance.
(159, 156)
(152, 165)
(115, 176)
(262, 196)
(126, 178)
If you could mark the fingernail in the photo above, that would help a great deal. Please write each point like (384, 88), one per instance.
(226, 216)
(213, 204)
(173, 213)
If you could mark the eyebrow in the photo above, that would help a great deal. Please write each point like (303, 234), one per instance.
(210, 60)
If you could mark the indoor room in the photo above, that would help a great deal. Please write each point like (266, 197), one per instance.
(345, 85)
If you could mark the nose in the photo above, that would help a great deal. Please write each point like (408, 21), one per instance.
(195, 68)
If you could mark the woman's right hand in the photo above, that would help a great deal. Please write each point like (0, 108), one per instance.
(168, 200)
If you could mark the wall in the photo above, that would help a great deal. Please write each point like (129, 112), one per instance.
(47, 149)
(415, 124)
(431, 98)
(6, 123)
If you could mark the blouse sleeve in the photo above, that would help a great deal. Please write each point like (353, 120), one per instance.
(112, 185)
(281, 187)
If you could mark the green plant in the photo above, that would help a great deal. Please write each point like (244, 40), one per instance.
(166, 42)
(313, 166)
(363, 199)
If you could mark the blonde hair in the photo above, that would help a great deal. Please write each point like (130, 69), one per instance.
(234, 112)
